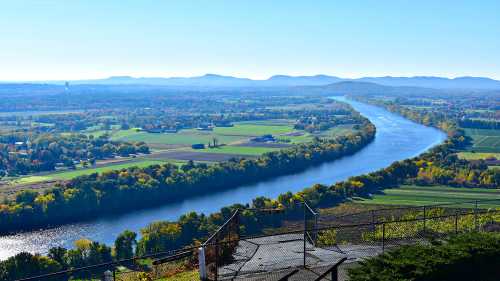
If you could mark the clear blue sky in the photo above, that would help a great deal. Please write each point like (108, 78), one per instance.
(91, 39)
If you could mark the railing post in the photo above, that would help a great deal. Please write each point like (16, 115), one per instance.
(238, 224)
(383, 237)
(373, 220)
(456, 222)
(202, 264)
(425, 218)
(316, 228)
(108, 276)
(305, 233)
(476, 225)
(216, 257)
(335, 274)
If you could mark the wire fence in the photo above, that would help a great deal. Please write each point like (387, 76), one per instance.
(320, 245)
(147, 267)
(264, 241)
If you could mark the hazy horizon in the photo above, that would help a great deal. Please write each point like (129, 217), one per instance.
(243, 77)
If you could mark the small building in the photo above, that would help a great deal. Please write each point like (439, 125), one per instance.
(198, 146)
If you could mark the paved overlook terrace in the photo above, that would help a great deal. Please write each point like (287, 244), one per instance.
(396, 139)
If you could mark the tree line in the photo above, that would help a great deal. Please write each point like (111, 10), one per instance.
(22, 153)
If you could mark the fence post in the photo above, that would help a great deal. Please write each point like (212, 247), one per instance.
(237, 218)
(201, 264)
(383, 237)
(335, 274)
(456, 222)
(217, 253)
(373, 220)
(305, 232)
(107, 276)
(476, 226)
(316, 228)
(425, 218)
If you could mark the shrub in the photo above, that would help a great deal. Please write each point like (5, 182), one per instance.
(472, 256)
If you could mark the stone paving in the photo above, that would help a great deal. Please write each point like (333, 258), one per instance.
(274, 255)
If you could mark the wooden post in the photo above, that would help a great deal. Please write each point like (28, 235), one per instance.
(456, 222)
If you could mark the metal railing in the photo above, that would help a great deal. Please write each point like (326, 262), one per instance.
(285, 249)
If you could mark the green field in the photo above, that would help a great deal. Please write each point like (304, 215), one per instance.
(67, 175)
(242, 150)
(307, 137)
(224, 135)
(477, 155)
(428, 195)
(271, 122)
(484, 140)
(186, 137)
(253, 129)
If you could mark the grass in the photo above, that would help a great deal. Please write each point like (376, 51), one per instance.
(183, 276)
(307, 137)
(186, 137)
(270, 122)
(477, 155)
(484, 140)
(243, 150)
(428, 195)
(253, 129)
(67, 175)
(226, 135)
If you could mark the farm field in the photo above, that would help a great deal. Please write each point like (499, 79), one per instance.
(303, 137)
(67, 175)
(174, 147)
(184, 137)
(249, 129)
(239, 150)
(484, 140)
(477, 155)
(429, 195)
(195, 155)
(224, 135)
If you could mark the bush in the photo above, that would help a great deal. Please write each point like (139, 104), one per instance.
(472, 256)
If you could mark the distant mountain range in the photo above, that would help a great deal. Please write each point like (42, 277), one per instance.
(220, 81)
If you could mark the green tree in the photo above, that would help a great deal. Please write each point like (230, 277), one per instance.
(124, 245)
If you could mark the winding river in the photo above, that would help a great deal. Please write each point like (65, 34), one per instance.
(397, 138)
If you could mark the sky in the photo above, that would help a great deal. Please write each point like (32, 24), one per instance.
(77, 39)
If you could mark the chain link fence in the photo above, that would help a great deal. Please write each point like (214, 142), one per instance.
(260, 241)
